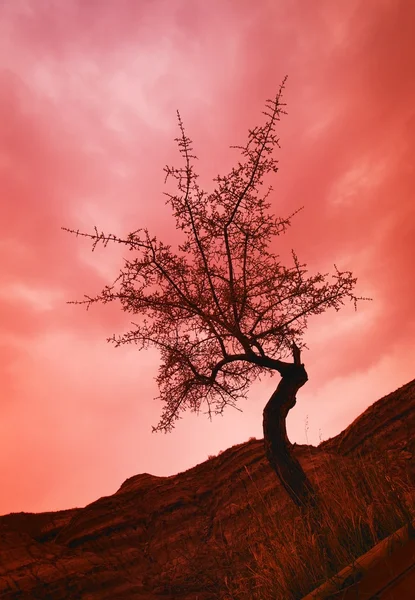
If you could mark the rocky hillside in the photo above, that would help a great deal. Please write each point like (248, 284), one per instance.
(169, 537)
(385, 428)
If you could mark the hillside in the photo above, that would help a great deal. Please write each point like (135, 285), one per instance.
(183, 536)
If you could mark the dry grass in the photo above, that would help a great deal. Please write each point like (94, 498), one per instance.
(360, 507)
(285, 555)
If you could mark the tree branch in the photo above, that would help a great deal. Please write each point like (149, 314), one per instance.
(185, 147)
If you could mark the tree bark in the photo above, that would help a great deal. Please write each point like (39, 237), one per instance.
(277, 445)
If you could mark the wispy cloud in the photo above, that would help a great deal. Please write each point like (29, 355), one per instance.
(88, 94)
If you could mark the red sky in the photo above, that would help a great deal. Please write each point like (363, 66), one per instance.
(88, 94)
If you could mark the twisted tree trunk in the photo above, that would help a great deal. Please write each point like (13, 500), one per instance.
(277, 445)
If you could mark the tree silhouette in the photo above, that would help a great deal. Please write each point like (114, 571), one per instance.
(223, 310)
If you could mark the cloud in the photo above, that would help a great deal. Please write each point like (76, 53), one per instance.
(88, 100)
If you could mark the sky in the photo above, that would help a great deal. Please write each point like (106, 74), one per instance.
(88, 100)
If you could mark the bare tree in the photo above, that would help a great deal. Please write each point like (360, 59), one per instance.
(223, 310)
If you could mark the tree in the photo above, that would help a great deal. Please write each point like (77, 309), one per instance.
(223, 310)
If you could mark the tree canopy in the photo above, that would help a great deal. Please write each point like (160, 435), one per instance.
(221, 309)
